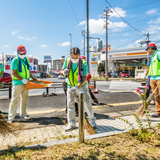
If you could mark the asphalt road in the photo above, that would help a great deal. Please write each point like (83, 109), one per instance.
(37, 102)
(102, 85)
(34, 92)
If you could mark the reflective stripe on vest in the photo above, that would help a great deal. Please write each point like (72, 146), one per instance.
(25, 71)
(74, 76)
(154, 69)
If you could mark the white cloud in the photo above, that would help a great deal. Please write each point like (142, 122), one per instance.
(152, 11)
(157, 21)
(120, 11)
(44, 46)
(64, 44)
(27, 38)
(126, 34)
(6, 46)
(152, 29)
(137, 41)
(14, 32)
(97, 26)
(82, 23)
(116, 26)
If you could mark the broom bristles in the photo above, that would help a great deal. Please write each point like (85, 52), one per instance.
(88, 127)
(93, 96)
(141, 110)
(5, 127)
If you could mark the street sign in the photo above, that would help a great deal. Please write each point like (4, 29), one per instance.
(33, 68)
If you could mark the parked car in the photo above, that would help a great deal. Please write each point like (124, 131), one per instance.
(132, 74)
(103, 74)
(6, 78)
(124, 75)
(48, 75)
(37, 75)
(61, 77)
(114, 74)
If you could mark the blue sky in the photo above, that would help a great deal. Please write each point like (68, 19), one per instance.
(43, 26)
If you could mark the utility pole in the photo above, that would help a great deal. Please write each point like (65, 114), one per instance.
(70, 41)
(3, 58)
(87, 20)
(147, 41)
(105, 16)
(83, 34)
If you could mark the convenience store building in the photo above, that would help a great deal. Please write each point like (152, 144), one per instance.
(126, 59)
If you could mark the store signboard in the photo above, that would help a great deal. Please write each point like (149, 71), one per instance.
(129, 64)
(94, 66)
(47, 58)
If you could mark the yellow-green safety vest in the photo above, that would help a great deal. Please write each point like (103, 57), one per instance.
(154, 68)
(74, 76)
(25, 71)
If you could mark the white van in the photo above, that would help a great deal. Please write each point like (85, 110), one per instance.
(140, 74)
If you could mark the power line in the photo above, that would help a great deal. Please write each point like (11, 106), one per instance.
(122, 17)
(157, 41)
(140, 4)
(128, 42)
(128, 31)
(73, 11)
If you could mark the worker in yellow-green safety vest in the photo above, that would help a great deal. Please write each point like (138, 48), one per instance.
(76, 69)
(1, 74)
(20, 77)
(154, 73)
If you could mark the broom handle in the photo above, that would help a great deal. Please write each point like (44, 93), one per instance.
(155, 89)
(73, 93)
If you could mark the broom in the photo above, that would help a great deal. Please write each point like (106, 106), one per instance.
(93, 96)
(141, 110)
(87, 125)
(5, 127)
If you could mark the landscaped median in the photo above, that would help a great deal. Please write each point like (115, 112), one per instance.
(121, 146)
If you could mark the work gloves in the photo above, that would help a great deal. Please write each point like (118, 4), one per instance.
(25, 81)
(144, 78)
(74, 89)
(65, 72)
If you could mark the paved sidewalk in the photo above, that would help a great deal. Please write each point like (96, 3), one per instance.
(55, 134)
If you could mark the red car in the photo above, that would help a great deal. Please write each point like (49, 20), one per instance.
(6, 78)
(103, 74)
(123, 75)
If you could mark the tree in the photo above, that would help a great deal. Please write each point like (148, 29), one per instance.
(100, 68)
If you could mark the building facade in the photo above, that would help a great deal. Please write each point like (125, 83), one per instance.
(57, 64)
(126, 59)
